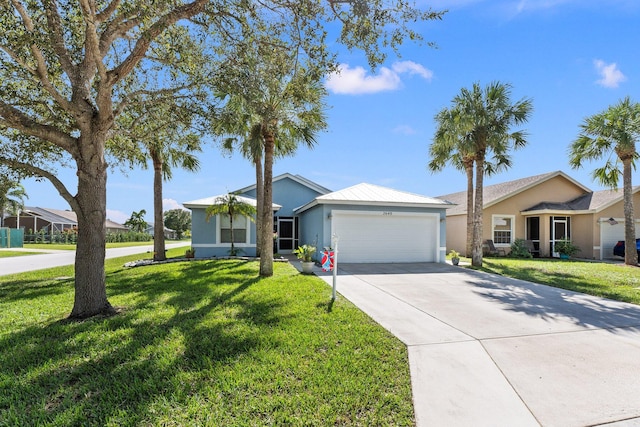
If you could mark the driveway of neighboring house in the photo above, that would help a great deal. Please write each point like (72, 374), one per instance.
(485, 350)
(48, 259)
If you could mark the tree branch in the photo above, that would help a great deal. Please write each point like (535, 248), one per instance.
(57, 37)
(107, 11)
(93, 55)
(16, 119)
(36, 171)
(41, 66)
(145, 40)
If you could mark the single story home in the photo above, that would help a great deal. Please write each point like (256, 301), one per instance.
(168, 233)
(35, 219)
(370, 223)
(544, 209)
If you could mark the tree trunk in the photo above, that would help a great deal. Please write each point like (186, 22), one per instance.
(266, 237)
(469, 170)
(476, 258)
(158, 217)
(630, 253)
(91, 206)
(259, 201)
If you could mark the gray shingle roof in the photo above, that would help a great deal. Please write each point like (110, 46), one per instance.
(495, 193)
(590, 201)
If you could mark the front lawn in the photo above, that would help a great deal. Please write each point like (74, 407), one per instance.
(614, 281)
(196, 343)
(72, 247)
(9, 253)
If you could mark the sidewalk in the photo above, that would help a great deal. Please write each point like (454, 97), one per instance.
(56, 258)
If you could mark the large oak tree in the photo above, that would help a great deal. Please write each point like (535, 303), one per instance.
(71, 70)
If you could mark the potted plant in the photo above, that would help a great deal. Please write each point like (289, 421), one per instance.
(565, 248)
(455, 257)
(190, 253)
(305, 254)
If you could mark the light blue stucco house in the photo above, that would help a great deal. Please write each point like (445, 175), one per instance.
(369, 223)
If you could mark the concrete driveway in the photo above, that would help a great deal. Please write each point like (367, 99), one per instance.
(485, 350)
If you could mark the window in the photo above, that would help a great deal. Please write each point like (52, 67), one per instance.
(502, 229)
(239, 229)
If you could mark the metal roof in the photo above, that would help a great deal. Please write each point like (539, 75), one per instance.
(55, 216)
(58, 216)
(213, 200)
(375, 195)
(297, 178)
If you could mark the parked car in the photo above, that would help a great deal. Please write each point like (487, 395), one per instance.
(618, 249)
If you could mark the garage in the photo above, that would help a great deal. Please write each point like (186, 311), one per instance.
(375, 224)
(610, 233)
(386, 236)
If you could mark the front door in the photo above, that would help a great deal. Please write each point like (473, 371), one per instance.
(560, 230)
(533, 232)
(286, 235)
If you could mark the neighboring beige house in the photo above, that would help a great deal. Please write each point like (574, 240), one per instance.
(544, 209)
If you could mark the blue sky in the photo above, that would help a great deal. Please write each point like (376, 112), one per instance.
(574, 58)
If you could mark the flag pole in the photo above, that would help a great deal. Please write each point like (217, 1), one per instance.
(335, 267)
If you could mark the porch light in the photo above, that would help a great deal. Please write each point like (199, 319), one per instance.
(612, 221)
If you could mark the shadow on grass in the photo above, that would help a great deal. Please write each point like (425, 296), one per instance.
(19, 290)
(101, 370)
(562, 279)
(560, 302)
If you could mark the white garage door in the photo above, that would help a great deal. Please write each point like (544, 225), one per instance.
(611, 234)
(386, 236)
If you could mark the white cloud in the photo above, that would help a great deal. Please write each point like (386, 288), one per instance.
(405, 130)
(412, 68)
(610, 75)
(117, 216)
(356, 81)
(168, 204)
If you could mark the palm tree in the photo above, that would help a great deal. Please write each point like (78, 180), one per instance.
(159, 130)
(451, 145)
(232, 206)
(12, 195)
(478, 129)
(164, 155)
(613, 134)
(136, 221)
(273, 104)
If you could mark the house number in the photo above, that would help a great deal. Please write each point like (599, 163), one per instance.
(387, 213)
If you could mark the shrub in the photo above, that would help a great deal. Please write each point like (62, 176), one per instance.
(519, 249)
(565, 247)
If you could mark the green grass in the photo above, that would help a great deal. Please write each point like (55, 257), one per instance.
(615, 281)
(72, 247)
(10, 253)
(196, 343)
